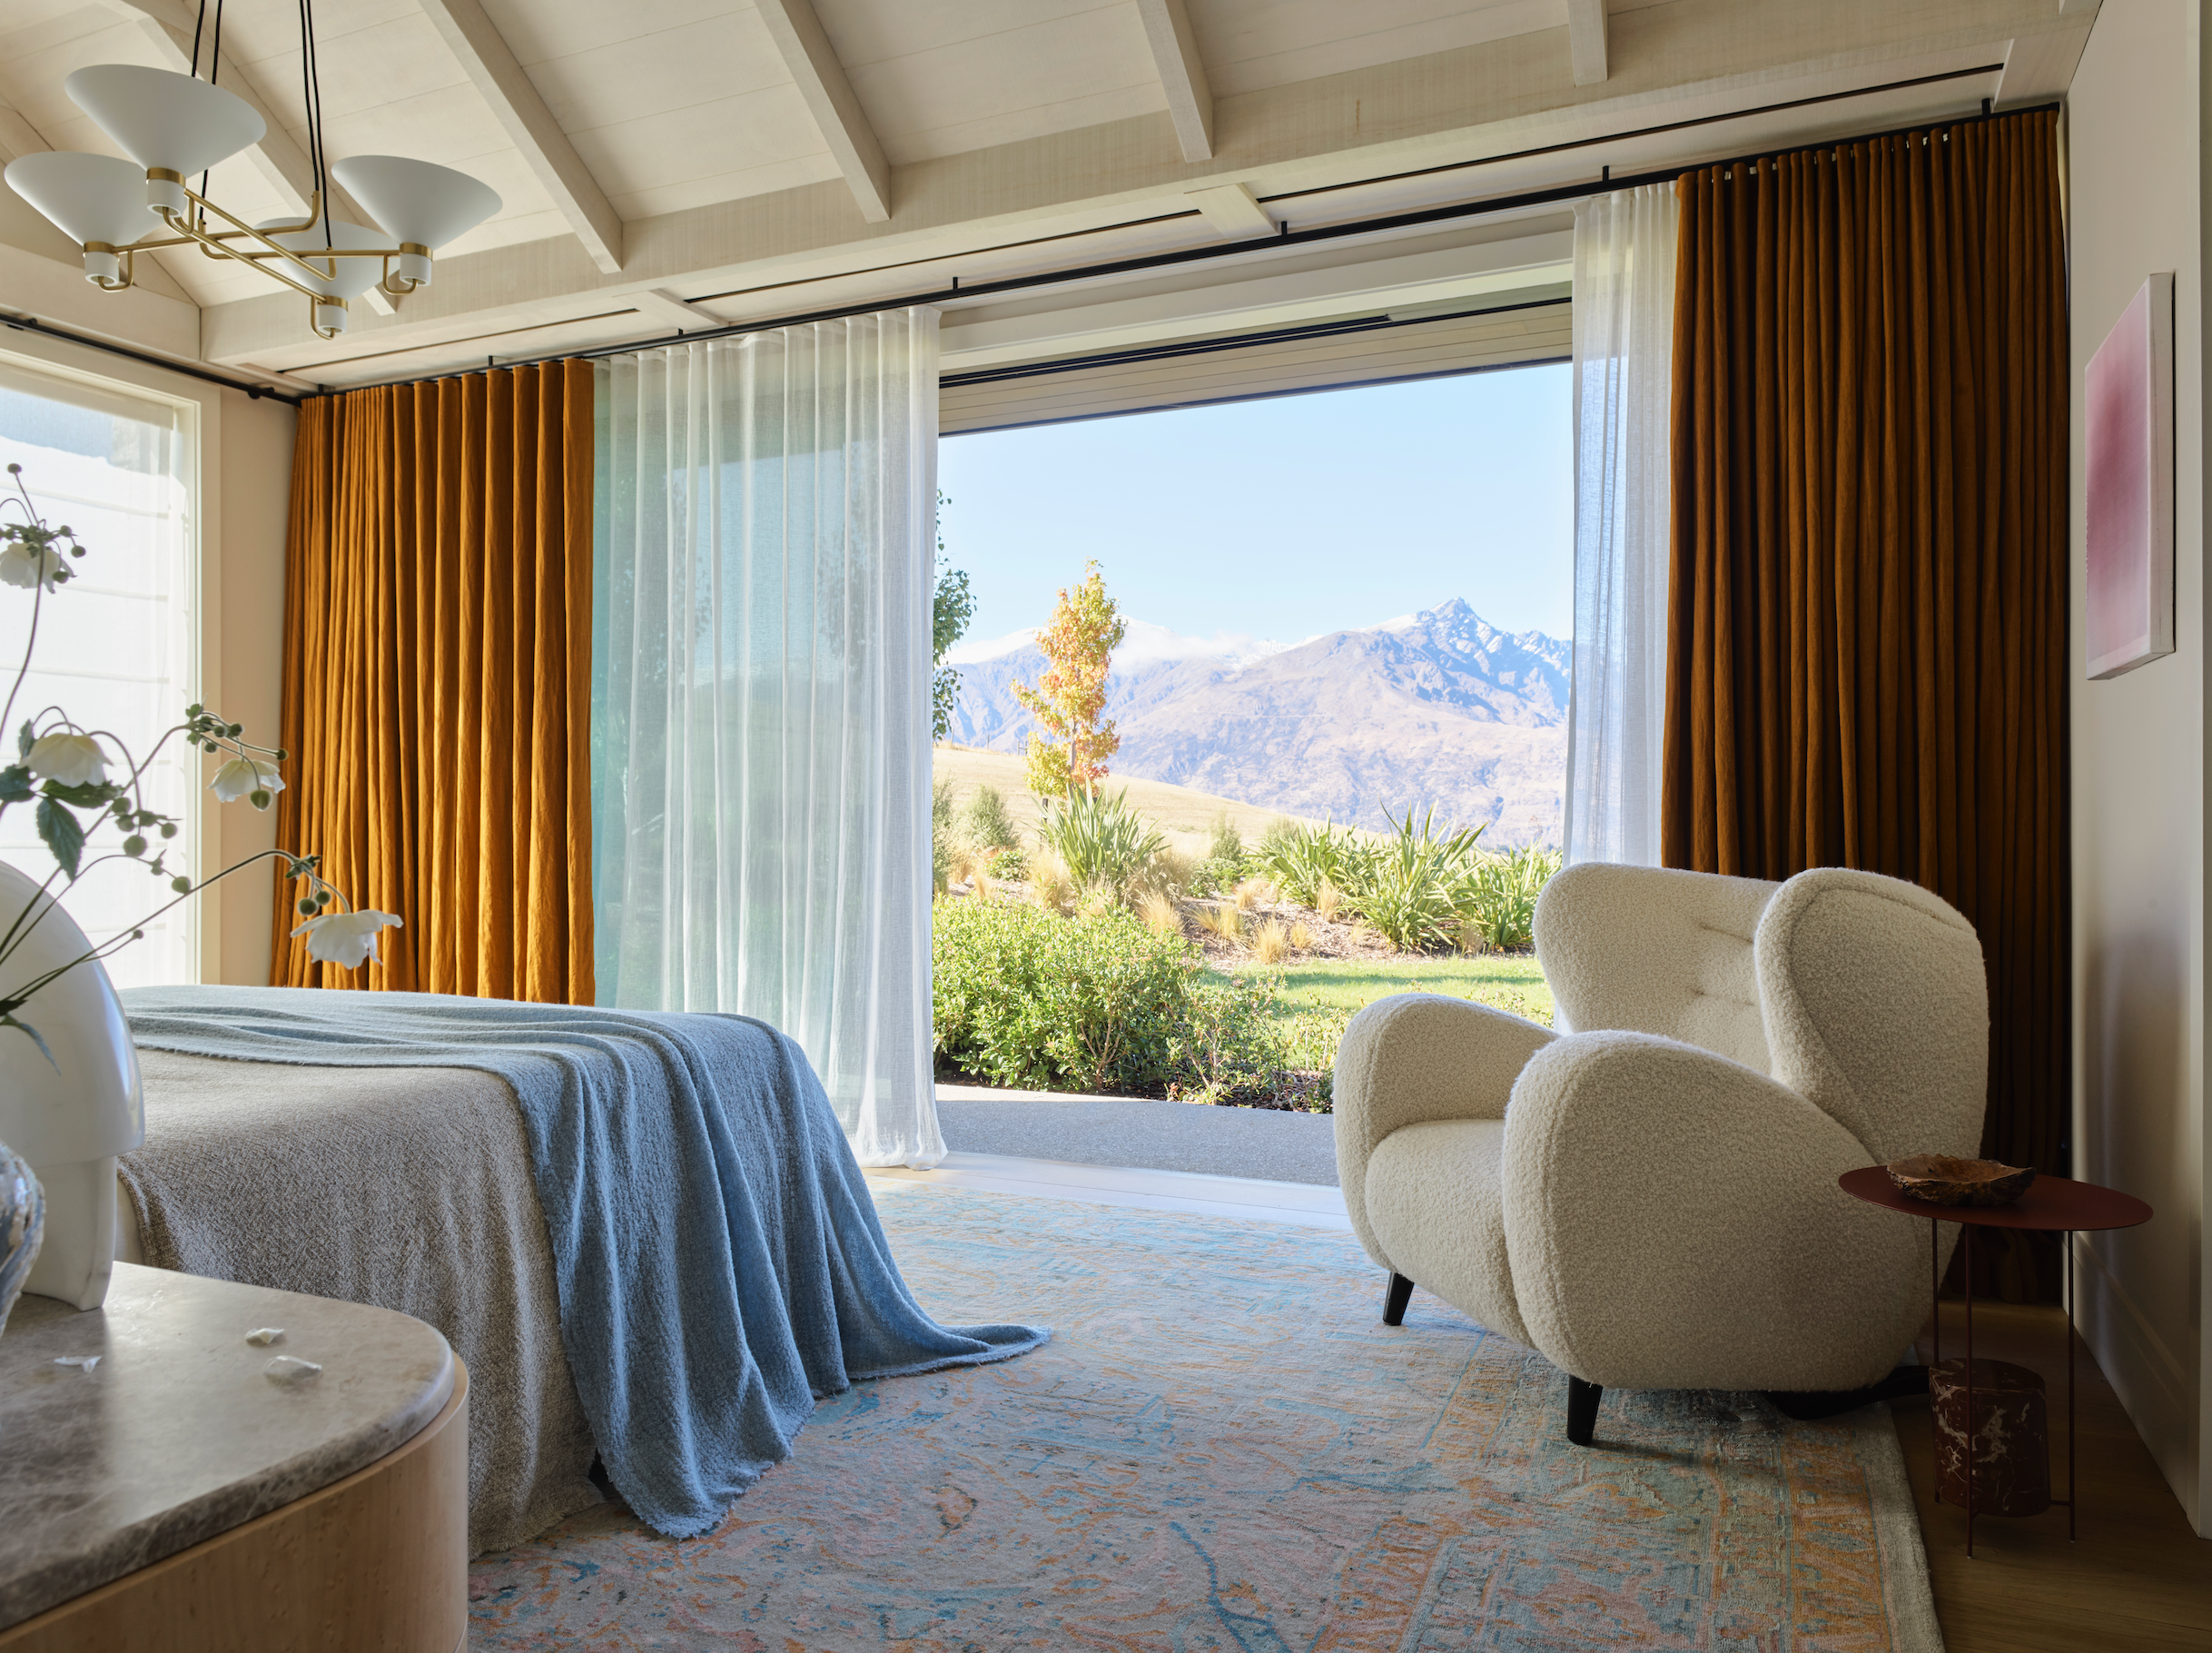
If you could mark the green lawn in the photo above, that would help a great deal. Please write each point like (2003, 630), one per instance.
(1511, 982)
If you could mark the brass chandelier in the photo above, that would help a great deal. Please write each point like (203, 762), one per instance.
(173, 125)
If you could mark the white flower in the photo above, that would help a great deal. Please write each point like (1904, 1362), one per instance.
(242, 775)
(26, 566)
(74, 760)
(346, 939)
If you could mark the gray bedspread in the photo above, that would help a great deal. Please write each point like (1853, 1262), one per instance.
(715, 1252)
(407, 1188)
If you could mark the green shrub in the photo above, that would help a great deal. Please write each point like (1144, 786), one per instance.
(1408, 887)
(987, 829)
(1225, 862)
(1310, 1038)
(941, 836)
(1497, 898)
(1026, 998)
(1301, 858)
(1230, 1048)
(1107, 846)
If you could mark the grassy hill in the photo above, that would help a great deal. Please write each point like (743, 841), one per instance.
(1186, 816)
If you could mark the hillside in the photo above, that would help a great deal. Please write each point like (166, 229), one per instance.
(1186, 816)
(1439, 708)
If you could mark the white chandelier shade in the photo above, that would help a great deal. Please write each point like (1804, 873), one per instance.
(166, 122)
(350, 277)
(97, 200)
(174, 126)
(422, 205)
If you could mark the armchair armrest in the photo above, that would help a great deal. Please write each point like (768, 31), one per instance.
(1414, 1057)
(1673, 1221)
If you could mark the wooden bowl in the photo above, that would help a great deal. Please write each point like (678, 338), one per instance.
(1942, 1180)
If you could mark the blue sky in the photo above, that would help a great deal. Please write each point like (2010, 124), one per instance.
(1284, 517)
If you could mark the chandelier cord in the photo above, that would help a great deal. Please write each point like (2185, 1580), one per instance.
(214, 68)
(311, 73)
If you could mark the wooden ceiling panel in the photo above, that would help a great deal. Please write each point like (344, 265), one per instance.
(1250, 45)
(540, 31)
(764, 132)
(708, 61)
(868, 31)
(1061, 69)
(364, 71)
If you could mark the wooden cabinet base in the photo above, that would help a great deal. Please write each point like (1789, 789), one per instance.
(377, 1562)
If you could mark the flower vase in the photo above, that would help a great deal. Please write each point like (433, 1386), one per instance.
(23, 1221)
(69, 1111)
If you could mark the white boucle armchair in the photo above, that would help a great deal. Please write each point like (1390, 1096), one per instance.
(1650, 1202)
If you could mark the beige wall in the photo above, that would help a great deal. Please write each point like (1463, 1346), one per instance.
(245, 489)
(242, 665)
(2135, 130)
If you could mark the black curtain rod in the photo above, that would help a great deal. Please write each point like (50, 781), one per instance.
(31, 324)
(1486, 207)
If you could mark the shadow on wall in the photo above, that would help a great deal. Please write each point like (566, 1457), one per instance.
(2135, 1137)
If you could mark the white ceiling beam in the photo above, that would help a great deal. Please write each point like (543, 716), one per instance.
(1182, 74)
(1586, 40)
(17, 136)
(1233, 210)
(658, 305)
(750, 253)
(813, 63)
(169, 25)
(499, 80)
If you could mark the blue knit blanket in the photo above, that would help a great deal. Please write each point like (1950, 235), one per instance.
(718, 1259)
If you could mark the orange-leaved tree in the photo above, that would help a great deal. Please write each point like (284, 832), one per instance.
(1073, 739)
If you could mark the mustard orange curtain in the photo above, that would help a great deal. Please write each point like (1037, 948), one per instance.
(1868, 627)
(437, 679)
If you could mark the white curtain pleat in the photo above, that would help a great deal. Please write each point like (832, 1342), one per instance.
(761, 672)
(1624, 252)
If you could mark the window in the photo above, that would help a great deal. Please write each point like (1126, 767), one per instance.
(113, 644)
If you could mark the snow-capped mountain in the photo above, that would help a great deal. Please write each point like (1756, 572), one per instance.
(1438, 708)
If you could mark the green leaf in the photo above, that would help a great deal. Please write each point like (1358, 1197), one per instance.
(85, 795)
(15, 784)
(62, 834)
(8, 1021)
(25, 739)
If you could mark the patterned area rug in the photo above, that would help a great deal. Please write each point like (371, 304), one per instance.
(1224, 1447)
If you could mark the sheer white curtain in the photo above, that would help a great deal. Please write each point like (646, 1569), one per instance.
(761, 711)
(1623, 362)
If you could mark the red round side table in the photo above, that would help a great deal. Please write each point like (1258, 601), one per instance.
(2053, 1203)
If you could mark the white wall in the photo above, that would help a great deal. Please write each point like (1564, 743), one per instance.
(2136, 132)
(244, 493)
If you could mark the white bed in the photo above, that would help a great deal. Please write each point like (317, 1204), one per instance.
(407, 1188)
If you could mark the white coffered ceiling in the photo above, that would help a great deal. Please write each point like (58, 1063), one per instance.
(690, 162)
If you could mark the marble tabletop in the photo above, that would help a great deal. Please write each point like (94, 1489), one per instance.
(178, 1433)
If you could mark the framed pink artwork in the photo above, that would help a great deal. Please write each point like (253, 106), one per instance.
(2129, 419)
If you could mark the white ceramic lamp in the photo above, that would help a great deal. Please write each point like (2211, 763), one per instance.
(172, 125)
(351, 277)
(96, 200)
(69, 1117)
(422, 206)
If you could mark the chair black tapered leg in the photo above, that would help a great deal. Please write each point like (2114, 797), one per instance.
(1396, 1296)
(1807, 1405)
(1582, 1411)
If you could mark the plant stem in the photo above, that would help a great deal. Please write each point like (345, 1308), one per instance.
(124, 937)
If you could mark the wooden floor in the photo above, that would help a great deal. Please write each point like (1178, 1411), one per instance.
(2137, 1579)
